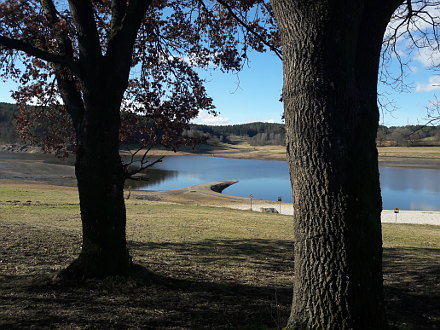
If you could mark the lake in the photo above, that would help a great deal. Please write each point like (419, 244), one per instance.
(405, 188)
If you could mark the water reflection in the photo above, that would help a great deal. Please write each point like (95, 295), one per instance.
(405, 188)
(403, 179)
(154, 178)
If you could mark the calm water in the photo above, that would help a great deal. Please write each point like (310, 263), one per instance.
(405, 188)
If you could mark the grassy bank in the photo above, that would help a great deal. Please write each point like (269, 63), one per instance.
(208, 267)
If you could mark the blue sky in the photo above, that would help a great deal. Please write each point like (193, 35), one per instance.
(253, 94)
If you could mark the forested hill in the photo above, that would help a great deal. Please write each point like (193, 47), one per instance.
(250, 129)
(255, 133)
(8, 133)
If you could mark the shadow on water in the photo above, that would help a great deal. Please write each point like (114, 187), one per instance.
(412, 287)
(153, 177)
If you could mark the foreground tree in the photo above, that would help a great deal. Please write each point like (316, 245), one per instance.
(113, 59)
(331, 56)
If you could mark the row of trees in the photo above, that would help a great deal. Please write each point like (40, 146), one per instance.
(8, 133)
(250, 129)
(410, 135)
(111, 60)
(256, 134)
(274, 134)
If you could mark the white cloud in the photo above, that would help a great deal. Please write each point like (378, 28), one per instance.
(410, 30)
(428, 57)
(204, 118)
(432, 85)
(422, 21)
(259, 120)
(414, 69)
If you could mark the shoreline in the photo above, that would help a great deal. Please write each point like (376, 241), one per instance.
(205, 194)
(384, 161)
(38, 170)
(273, 153)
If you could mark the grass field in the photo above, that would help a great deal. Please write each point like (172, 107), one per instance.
(412, 152)
(207, 267)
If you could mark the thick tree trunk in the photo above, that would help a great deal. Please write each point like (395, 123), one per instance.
(331, 57)
(100, 177)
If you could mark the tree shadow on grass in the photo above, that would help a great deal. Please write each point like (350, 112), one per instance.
(412, 287)
(188, 288)
(207, 284)
(267, 255)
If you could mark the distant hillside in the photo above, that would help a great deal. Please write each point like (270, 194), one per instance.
(8, 133)
(408, 136)
(255, 133)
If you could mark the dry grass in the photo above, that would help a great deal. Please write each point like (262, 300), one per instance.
(210, 267)
(238, 150)
(244, 150)
(413, 152)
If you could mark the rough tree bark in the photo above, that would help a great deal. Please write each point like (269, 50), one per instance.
(100, 176)
(331, 52)
(95, 113)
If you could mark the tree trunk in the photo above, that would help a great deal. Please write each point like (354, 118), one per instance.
(331, 55)
(100, 176)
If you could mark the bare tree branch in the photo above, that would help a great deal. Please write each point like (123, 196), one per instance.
(66, 82)
(413, 27)
(122, 37)
(88, 38)
(52, 16)
(144, 164)
(14, 44)
(119, 10)
(71, 96)
(249, 29)
(133, 154)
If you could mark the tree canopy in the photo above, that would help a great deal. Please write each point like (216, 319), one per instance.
(174, 40)
(106, 71)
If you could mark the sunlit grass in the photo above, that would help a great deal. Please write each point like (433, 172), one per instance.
(416, 152)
